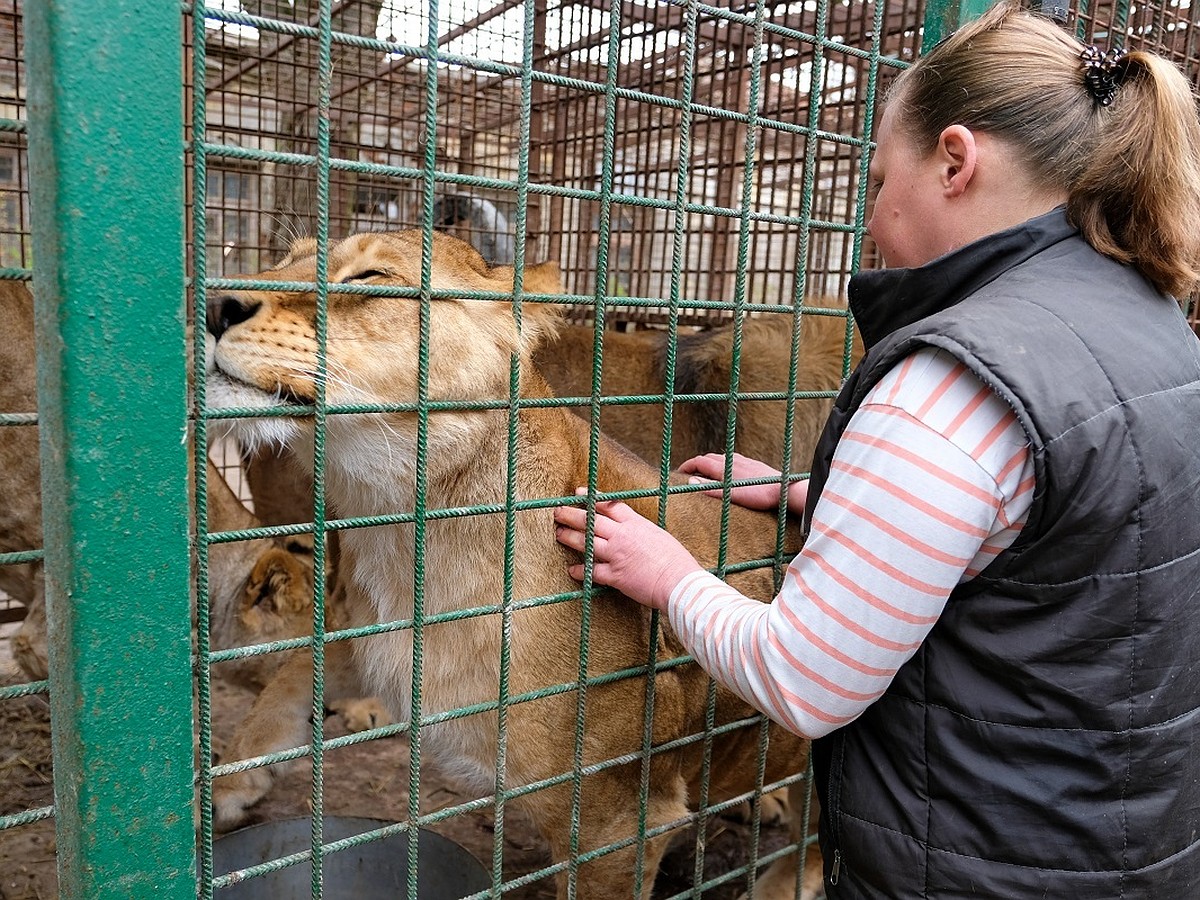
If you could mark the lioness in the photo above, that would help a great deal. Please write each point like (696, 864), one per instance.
(634, 363)
(20, 490)
(266, 354)
(259, 590)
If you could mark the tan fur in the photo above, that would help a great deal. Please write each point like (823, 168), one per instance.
(20, 492)
(259, 590)
(634, 364)
(372, 469)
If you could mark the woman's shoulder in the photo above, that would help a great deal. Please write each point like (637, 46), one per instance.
(932, 389)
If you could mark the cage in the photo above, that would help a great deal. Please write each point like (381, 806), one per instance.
(689, 168)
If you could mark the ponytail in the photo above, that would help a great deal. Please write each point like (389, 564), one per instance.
(1138, 196)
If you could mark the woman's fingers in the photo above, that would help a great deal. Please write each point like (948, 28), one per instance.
(613, 510)
(569, 537)
(576, 516)
(600, 573)
(576, 539)
(571, 516)
(571, 525)
(710, 465)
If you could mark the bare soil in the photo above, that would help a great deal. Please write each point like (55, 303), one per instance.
(26, 852)
(368, 779)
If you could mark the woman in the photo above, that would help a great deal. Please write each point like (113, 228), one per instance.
(991, 631)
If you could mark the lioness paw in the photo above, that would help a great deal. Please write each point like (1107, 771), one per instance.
(361, 713)
(234, 794)
(774, 809)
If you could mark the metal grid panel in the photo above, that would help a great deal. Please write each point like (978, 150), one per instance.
(460, 122)
(1168, 29)
(647, 147)
(260, 80)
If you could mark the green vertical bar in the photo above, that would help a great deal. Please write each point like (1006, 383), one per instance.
(106, 151)
(944, 17)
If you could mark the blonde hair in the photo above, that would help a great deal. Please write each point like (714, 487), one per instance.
(1131, 169)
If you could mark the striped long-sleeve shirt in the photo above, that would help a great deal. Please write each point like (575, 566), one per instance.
(930, 481)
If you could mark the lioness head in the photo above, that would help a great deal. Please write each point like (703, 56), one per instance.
(264, 350)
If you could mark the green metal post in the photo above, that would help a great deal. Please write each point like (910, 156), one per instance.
(106, 150)
(944, 17)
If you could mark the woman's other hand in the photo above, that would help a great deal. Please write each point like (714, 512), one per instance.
(711, 467)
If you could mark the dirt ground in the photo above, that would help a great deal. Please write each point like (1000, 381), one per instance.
(26, 852)
(360, 780)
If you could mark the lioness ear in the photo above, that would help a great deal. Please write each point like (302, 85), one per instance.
(539, 320)
(544, 278)
(225, 511)
(300, 248)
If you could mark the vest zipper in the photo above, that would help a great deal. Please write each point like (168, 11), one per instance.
(834, 804)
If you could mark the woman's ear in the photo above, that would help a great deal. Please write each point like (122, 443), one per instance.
(957, 154)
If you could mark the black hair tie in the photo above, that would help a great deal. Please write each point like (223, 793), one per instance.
(1103, 73)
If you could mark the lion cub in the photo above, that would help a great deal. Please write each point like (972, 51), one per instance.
(449, 578)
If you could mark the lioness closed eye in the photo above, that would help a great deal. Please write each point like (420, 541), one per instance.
(265, 353)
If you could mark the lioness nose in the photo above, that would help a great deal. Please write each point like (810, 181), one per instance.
(226, 310)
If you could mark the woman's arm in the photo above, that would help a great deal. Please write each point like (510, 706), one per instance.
(913, 505)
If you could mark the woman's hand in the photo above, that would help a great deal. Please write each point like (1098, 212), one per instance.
(711, 467)
(632, 554)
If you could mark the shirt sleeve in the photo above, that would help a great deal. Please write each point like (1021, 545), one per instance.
(930, 481)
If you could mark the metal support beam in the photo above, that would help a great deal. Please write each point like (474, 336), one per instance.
(944, 17)
(106, 148)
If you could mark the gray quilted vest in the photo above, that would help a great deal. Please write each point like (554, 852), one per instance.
(1045, 739)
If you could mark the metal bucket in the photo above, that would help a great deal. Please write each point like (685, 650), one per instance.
(378, 869)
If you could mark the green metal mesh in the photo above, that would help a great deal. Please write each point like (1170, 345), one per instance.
(607, 197)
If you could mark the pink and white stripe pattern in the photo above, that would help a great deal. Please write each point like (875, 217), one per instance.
(931, 480)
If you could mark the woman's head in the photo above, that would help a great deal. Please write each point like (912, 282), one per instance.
(1129, 170)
